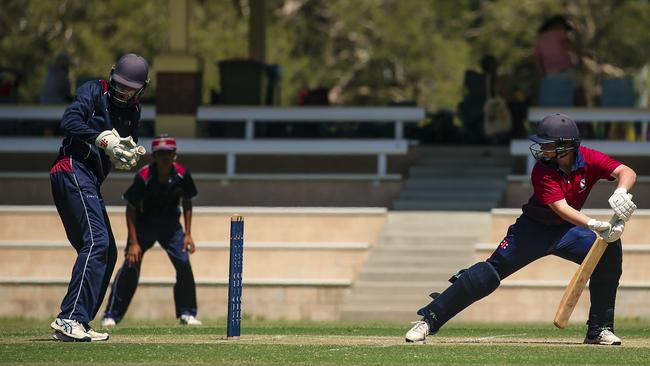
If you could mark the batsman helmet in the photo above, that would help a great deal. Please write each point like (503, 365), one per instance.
(128, 80)
(559, 133)
(163, 142)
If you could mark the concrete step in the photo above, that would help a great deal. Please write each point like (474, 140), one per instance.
(444, 183)
(206, 262)
(433, 223)
(447, 195)
(402, 204)
(405, 274)
(273, 224)
(426, 171)
(430, 237)
(376, 260)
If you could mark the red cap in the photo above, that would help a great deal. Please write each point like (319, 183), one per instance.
(163, 143)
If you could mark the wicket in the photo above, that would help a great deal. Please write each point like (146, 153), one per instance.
(235, 276)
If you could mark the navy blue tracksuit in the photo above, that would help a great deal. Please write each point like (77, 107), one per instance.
(157, 219)
(76, 177)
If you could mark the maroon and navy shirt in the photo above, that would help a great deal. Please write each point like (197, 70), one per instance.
(154, 199)
(552, 185)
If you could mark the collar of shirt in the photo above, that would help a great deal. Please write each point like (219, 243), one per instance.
(577, 164)
(154, 172)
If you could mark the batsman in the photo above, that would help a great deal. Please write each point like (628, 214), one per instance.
(551, 224)
(100, 128)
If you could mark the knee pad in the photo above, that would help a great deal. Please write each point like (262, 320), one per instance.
(480, 279)
(470, 285)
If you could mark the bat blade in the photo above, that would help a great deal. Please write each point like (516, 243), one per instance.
(578, 282)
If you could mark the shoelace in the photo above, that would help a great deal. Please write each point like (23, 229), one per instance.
(420, 326)
(70, 324)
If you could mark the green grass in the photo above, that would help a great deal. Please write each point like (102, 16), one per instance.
(290, 343)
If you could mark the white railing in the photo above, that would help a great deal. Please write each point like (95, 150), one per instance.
(233, 147)
(250, 115)
(596, 114)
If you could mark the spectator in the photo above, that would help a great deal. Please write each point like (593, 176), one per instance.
(555, 50)
(478, 88)
(56, 86)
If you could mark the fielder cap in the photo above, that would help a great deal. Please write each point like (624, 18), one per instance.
(163, 143)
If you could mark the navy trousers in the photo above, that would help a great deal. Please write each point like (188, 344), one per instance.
(527, 241)
(169, 233)
(80, 205)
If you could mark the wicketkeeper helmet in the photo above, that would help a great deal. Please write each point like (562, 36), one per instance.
(128, 80)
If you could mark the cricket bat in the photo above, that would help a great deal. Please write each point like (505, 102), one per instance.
(579, 281)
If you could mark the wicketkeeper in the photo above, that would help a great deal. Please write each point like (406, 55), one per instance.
(100, 128)
(152, 214)
(551, 223)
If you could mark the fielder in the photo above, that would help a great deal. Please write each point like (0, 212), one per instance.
(100, 133)
(152, 214)
(551, 223)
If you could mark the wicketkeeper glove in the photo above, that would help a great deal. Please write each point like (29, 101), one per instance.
(622, 204)
(123, 152)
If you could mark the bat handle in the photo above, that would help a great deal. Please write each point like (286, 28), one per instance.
(140, 150)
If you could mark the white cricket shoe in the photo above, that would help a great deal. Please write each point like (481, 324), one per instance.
(108, 322)
(187, 319)
(419, 332)
(69, 330)
(606, 337)
(96, 336)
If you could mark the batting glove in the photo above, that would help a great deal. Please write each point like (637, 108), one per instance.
(614, 233)
(622, 204)
(598, 226)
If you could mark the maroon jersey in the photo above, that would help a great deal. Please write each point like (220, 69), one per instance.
(552, 185)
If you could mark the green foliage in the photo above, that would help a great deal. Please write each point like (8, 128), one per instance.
(365, 51)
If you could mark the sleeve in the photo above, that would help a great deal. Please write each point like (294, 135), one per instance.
(78, 113)
(546, 186)
(135, 118)
(135, 193)
(189, 189)
(602, 165)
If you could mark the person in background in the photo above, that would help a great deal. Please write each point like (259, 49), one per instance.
(56, 86)
(555, 51)
(153, 214)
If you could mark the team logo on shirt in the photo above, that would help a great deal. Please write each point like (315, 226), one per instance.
(583, 183)
(504, 244)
